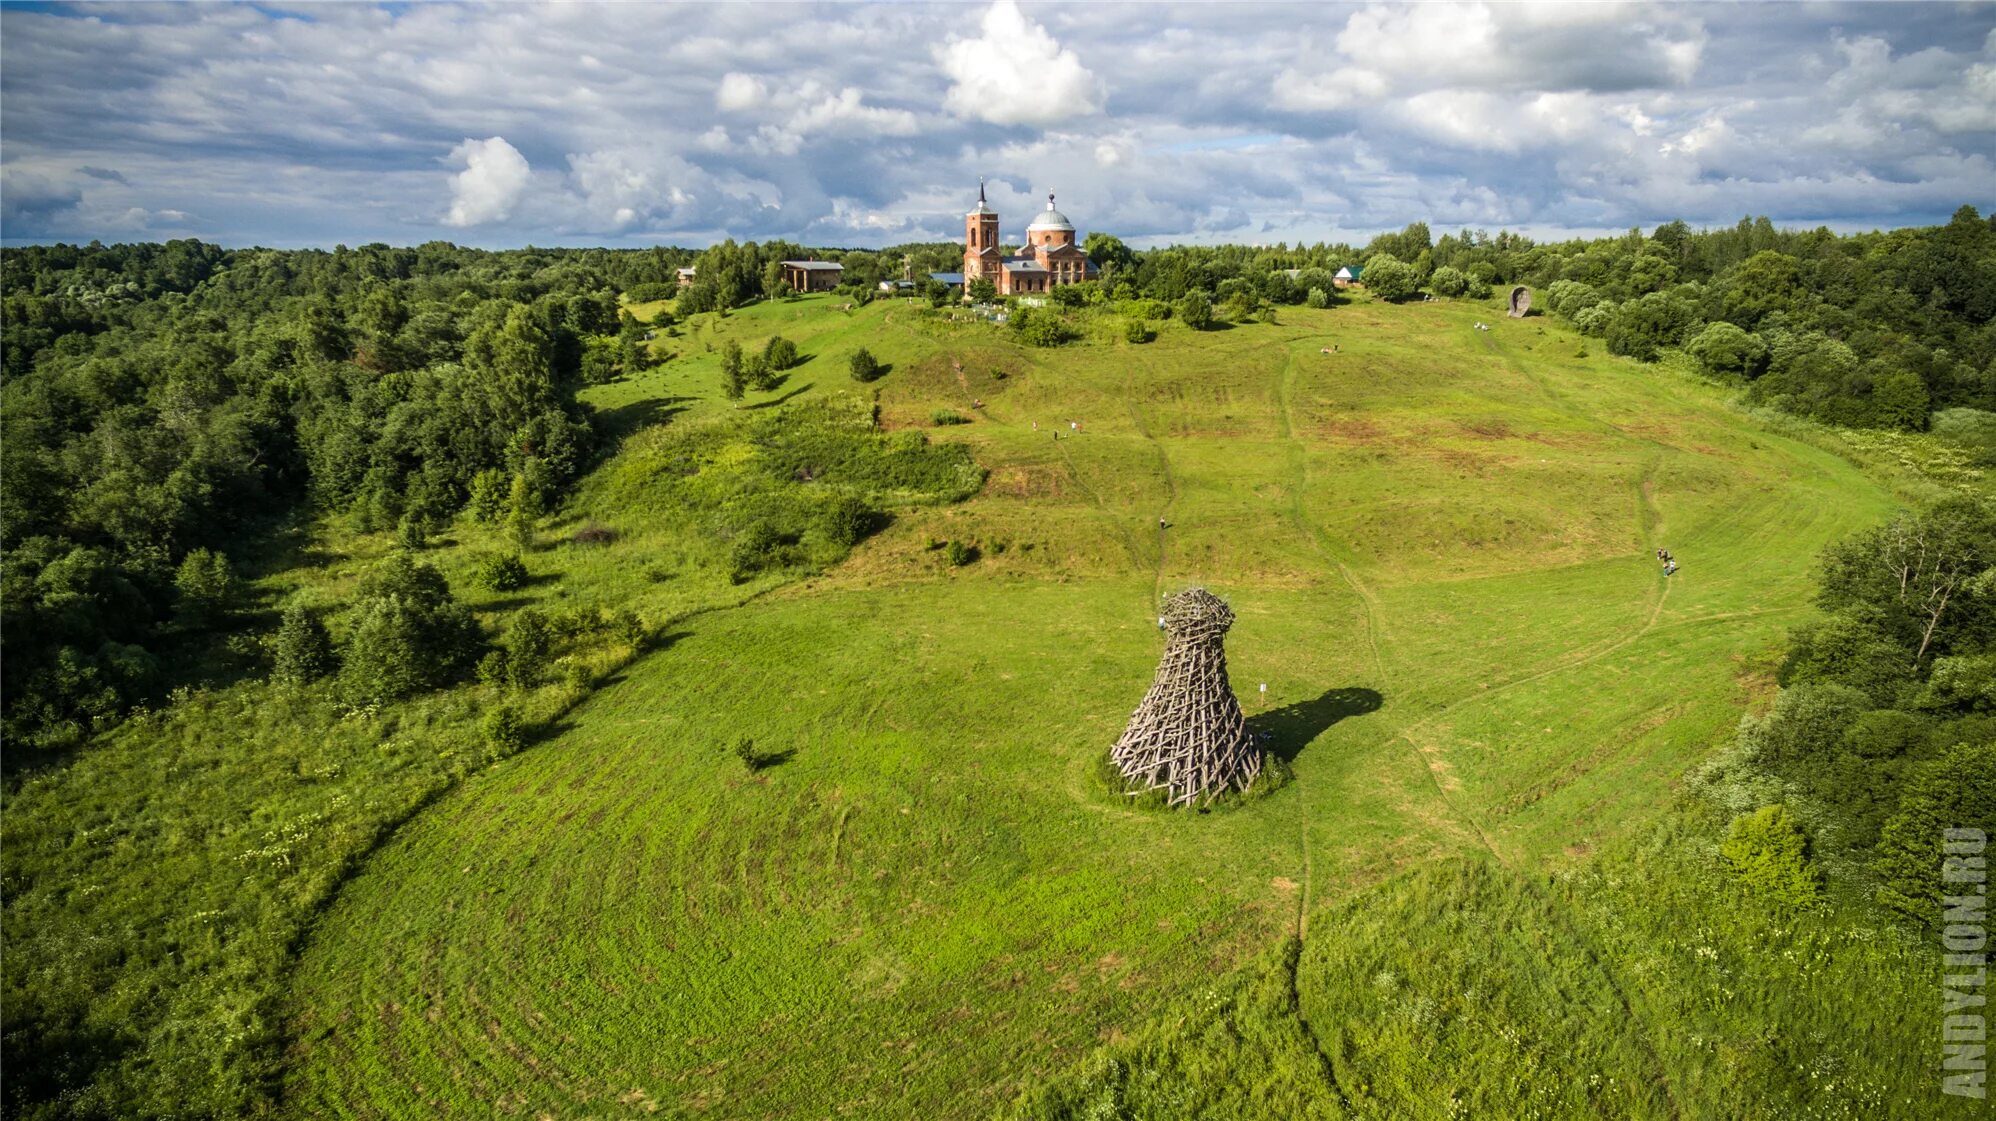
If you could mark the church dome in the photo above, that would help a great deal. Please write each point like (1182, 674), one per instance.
(1051, 219)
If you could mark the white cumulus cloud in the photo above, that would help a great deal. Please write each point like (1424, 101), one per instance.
(495, 175)
(738, 92)
(1015, 73)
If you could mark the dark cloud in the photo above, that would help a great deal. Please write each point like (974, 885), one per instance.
(845, 124)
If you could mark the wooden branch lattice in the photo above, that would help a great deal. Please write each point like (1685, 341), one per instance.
(1188, 735)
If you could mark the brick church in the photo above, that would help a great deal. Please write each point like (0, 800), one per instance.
(1049, 260)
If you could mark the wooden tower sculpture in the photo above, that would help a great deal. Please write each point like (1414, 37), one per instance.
(1188, 734)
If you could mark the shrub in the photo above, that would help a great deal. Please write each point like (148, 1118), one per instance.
(1593, 320)
(1570, 297)
(529, 646)
(943, 417)
(1642, 327)
(863, 366)
(779, 353)
(1448, 281)
(413, 531)
(1137, 331)
(1195, 311)
(408, 633)
(629, 627)
(1390, 278)
(504, 732)
(744, 750)
(1723, 349)
(1317, 298)
(1042, 327)
(1769, 855)
(958, 553)
(1956, 792)
(526, 510)
(204, 586)
(301, 650)
(500, 572)
(755, 549)
(488, 495)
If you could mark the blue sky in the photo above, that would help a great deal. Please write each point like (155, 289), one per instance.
(643, 124)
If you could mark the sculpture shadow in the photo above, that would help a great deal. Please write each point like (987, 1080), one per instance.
(1289, 729)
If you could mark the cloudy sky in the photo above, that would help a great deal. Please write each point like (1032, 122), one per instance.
(846, 124)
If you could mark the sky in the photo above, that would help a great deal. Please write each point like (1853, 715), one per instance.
(866, 125)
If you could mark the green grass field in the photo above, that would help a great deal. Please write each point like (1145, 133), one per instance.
(1439, 544)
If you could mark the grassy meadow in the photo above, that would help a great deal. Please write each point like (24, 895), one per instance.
(1486, 892)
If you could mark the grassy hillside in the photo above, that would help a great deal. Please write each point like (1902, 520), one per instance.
(1439, 543)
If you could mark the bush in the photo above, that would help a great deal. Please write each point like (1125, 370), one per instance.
(1570, 297)
(779, 353)
(1971, 428)
(1317, 298)
(500, 572)
(845, 522)
(1145, 309)
(529, 646)
(1041, 327)
(489, 489)
(754, 550)
(504, 732)
(1642, 327)
(1769, 855)
(1956, 792)
(744, 750)
(943, 417)
(1390, 278)
(1448, 281)
(1137, 331)
(1724, 350)
(734, 375)
(1195, 311)
(301, 650)
(408, 633)
(204, 586)
(1593, 320)
(863, 366)
(958, 553)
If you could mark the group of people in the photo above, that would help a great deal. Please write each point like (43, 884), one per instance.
(1669, 562)
(1073, 426)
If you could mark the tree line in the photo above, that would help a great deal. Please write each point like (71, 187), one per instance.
(167, 408)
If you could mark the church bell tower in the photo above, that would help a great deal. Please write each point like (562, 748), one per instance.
(980, 240)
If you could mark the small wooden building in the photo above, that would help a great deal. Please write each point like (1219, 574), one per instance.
(1347, 277)
(813, 276)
